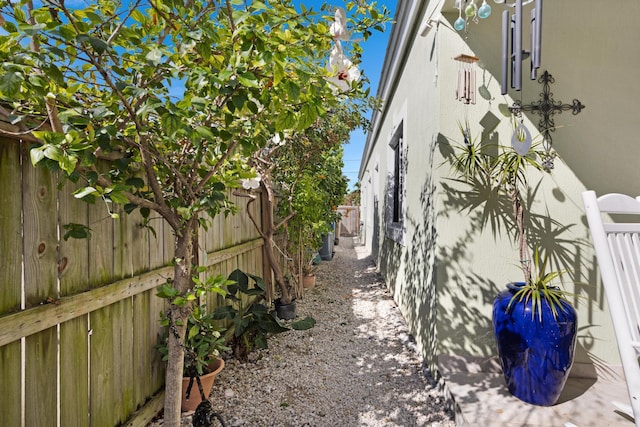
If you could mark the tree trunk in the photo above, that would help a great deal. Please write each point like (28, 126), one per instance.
(285, 293)
(523, 245)
(267, 234)
(178, 315)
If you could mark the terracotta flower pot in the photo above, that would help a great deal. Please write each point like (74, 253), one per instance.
(309, 281)
(207, 382)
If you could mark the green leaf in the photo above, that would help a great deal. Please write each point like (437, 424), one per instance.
(130, 207)
(170, 122)
(135, 182)
(248, 80)
(166, 291)
(98, 45)
(278, 74)
(76, 231)
(239, 277)
(239, 101)
(294, 90)
(118, 197)
(36, 155)
(193, 331)
(68, 164)
(261, 341)
(10, 27)
(205, 132)
(49, 137)
(54, 153)
(10, 83)
(308, 115)
(185, 213)
(286, 120)
(304, 324)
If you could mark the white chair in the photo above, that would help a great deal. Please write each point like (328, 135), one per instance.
(617, 247)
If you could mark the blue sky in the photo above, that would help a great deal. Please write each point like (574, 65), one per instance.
(372, 58)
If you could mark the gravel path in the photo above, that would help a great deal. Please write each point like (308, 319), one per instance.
(356, 367)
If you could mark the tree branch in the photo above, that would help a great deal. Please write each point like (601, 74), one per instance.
(253, 220)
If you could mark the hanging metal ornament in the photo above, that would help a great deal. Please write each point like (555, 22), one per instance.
(521, 139)
(547, 107)
(466, 87)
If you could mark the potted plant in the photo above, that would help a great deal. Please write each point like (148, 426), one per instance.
(534, 324)
(308, 267)
(250, 319)
(203, 344)
(304, 241)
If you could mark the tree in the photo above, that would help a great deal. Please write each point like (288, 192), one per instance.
(157, 104)
(302, 179)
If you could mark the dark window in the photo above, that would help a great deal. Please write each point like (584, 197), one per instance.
(395, 190)
(397, 199)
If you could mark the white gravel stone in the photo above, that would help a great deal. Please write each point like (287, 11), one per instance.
(357, 367)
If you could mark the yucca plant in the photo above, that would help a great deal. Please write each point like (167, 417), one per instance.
(505, 174)
(540, 287)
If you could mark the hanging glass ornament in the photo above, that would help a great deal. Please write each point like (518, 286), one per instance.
(460, 23)
(485, 10)
(470, 10)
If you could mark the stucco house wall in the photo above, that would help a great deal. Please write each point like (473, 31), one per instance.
(442, 266)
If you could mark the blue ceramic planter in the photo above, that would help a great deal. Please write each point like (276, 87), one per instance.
(536, 355)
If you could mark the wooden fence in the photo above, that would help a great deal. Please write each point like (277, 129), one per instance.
(79, 317)
(349, 224)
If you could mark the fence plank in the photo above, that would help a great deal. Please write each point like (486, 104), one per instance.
(142, 417)
(111, 359)
(10, 226)
(41, 353)
(74, 373)
(73, 273)
(11, 250)
(100, 245)
(11, 384)
(169, 243)
(155, 240)
(131, 248)
(146, 336)
(73, 260)
(40, 234)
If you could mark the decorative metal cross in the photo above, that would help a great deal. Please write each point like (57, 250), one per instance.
(547, 107)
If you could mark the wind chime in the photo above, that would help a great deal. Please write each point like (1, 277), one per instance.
(512, 57)
(466, 87)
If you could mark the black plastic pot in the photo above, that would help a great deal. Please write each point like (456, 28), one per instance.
(285, 311)
(326, 251)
